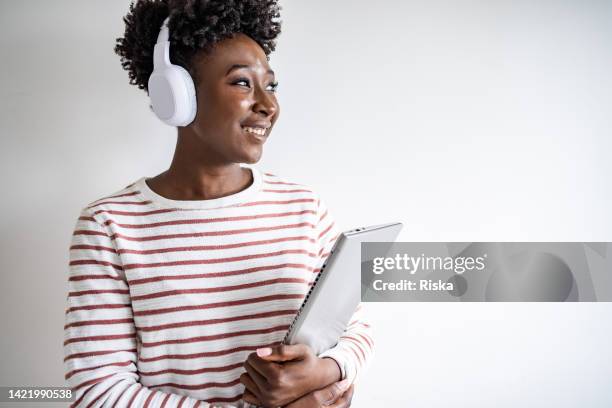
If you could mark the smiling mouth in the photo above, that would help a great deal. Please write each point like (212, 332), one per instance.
(259, 131)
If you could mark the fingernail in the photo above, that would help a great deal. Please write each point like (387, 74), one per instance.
(344, 384)
(265, 351)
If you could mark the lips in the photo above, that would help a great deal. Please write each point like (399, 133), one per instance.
(259, 131)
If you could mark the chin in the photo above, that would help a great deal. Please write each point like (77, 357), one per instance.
(251, 157)
(251, 160)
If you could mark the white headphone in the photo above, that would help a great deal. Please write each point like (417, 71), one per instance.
(171, 88)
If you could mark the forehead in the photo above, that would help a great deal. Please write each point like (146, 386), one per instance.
(238, 50)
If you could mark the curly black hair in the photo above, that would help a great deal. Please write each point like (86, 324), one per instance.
(195, 25)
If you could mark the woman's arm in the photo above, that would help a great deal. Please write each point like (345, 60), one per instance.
(355, 347)
(301, 373)
(282, 374)
(100, 347)
(278, 375)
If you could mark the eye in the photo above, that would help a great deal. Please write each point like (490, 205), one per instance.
(272, 87)
(242, 82)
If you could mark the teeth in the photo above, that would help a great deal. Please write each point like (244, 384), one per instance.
(257, 131)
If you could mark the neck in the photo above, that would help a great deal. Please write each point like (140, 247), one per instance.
(197, 175)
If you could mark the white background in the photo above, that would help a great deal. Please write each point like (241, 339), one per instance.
(465, 120)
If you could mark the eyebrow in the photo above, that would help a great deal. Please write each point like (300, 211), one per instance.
(240, 66)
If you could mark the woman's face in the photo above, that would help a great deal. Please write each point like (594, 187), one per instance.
(236, 99)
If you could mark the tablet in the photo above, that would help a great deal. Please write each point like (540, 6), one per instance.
(336, 292)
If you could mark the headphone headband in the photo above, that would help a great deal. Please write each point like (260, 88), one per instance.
(163, 31)
(161, 52)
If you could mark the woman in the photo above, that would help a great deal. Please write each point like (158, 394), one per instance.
(183, 285)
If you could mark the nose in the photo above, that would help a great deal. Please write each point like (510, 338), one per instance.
(265, 103)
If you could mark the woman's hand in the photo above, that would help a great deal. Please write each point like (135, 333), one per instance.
(335, 395)
(279, 375)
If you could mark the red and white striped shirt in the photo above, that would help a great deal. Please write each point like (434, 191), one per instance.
(167, 298)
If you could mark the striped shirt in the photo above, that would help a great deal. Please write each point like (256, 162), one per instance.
(167, 298)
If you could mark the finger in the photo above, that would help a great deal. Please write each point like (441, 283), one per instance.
(284, 352)
(250, 385)
(256, 377)
(267, 369)
(331, 393)
(249, 397)
(345, 399)
(349, 393)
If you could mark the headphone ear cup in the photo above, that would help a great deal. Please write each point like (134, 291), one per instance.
(172, 94)
(189, 103)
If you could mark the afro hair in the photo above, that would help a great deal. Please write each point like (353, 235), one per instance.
(194, 26)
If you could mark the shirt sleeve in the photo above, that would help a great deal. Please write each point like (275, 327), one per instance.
(355, 348)
(100, 341)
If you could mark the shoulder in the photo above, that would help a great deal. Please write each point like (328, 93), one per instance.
(123, 199)
(271, 179)
(276, 185)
